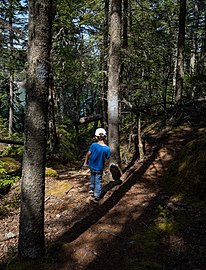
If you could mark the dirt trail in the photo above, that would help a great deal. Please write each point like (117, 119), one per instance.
(101, 235)
(90, 236)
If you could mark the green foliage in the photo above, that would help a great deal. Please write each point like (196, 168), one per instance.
(13, 150)
(165, 221)
(66, 150)
(6, 180)
(76, 54)
(161, 224)
(10, 164)
(153, 30)
(3, 127)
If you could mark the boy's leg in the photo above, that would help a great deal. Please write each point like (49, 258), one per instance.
(98, 185)
(92, 181)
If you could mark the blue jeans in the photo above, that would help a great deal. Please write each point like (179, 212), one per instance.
(96, 183)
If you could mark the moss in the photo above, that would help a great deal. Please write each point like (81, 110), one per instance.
(51, 172)
(166, 226)
(59, 189)
(147, 240)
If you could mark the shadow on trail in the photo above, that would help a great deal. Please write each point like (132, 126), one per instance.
(81, 226)
(113, 251)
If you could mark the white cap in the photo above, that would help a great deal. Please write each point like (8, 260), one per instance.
(100, 131)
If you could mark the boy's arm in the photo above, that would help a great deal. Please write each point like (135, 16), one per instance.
(88, 154)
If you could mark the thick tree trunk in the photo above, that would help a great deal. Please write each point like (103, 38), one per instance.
(31, 235)
(105, 61)
(180, 51)
(114, 81)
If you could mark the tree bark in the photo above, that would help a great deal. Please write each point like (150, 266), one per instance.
(53, 137)
(114, 82)
(139, 137)
(180, 51)
(11, 71)
(125, 24)
(105, 61)
(194, 46)
(31, 243)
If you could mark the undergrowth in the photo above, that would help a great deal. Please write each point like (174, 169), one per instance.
(186, 175)
(6, 180)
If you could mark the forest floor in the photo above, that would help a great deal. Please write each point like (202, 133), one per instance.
(135, 226)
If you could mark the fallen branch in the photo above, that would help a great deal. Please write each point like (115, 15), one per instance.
(69, 190)
(76, 175)
(87, 119)
(11, 142)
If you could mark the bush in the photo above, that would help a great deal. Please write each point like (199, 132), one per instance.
(66, 150)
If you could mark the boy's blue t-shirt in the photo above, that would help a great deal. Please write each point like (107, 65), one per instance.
(98, 155)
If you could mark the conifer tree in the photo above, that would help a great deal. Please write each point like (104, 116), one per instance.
(31, 243)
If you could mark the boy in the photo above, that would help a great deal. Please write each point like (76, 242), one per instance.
(95, 159)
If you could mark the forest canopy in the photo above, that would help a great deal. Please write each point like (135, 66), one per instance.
(79, 55)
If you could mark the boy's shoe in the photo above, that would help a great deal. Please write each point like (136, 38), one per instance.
(91, 192)
(115, 171)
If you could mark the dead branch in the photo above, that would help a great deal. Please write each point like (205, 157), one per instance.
(11, 142)
(87, 119)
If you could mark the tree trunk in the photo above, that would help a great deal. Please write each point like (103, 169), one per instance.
(53, 138)
(140, 144)
(105, 61)
(11, 75)
(203, 51)
(194, 45)
(11, 101)
(174, 77)
(114, 82)
(125, 24)
(31, 235)
(180, 52)
(123, 74)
